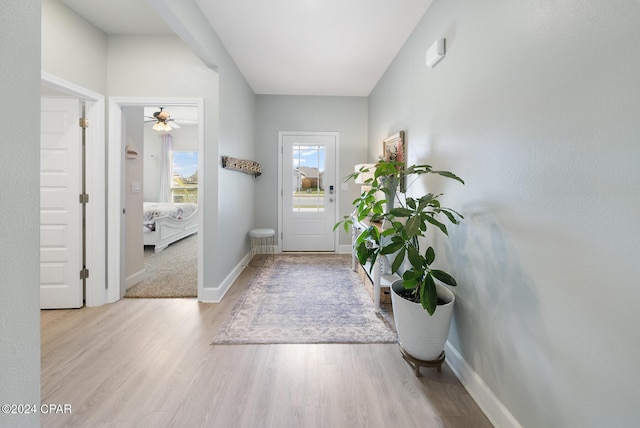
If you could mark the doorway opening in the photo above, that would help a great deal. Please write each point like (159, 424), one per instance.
(124, 185)
(161, 202)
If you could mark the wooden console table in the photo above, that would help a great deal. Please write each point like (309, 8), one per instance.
(380, 274)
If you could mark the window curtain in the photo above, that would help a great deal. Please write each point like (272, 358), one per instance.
(165, 169)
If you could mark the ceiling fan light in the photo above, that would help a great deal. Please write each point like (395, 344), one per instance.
(161, 126)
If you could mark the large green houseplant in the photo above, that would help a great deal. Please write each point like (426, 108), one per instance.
(406, 220)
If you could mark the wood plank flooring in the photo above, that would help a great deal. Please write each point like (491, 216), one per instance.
(149, 363)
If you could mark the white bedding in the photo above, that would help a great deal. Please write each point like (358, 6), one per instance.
(154, 210)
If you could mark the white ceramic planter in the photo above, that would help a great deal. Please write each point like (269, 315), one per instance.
(421, 335)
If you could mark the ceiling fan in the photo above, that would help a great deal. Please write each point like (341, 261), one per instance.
(162, 119)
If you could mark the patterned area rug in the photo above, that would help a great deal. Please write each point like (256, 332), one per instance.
(308, 298)
(173, 272)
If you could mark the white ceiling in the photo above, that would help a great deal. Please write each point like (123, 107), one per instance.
(287, 47)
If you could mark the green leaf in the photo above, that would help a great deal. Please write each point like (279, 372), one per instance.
(411, 203)
(411, 280)
(410, 284)
(450, 211)
(400, 212)
(397, 262)
(391, 248)
(415, 258)
(412, 226)
(392, 233)
(430, 255)
(439, 225)
(449, 175)
(444, 277)
(424, 201)
(373, 258)
(362, 253)
(450, 216)
(428, 294)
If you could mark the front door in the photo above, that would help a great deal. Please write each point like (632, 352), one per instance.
(308, 191)
(60, 208)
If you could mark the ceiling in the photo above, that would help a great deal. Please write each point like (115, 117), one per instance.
(287, 47)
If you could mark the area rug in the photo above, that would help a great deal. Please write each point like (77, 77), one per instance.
(173, 272)
(305, 298)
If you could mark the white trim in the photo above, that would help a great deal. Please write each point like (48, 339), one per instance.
(115, 183)
(492, 407)
(281, 134)
(95, 292)
(215, 294)
(136, 278)
(69, 88)
(345, 249)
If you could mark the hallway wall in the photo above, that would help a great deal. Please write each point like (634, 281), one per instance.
(536, 107)
(20, 210)
(347, 115)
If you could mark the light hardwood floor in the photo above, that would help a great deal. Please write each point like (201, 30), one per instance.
(149, 363)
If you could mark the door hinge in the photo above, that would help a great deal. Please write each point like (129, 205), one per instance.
(281, 236)
(83, 122)
(84, 198)
(84, 274)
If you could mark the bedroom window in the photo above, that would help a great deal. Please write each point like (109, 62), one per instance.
(184, 185)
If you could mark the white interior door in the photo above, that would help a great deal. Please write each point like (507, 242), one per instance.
(308, 191)
(60, 210)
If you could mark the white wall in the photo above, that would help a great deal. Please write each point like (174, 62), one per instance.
(129, 67)
(72, 48)
(536, 107)
(346, 115)
(135, 70)
(133, 170)
(20, 209)
(234, 193)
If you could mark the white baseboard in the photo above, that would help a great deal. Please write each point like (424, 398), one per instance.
(135, 278)
(492, 407)
(344, 249)
(215, 294)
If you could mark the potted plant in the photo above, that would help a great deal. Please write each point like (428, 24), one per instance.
(406, 220)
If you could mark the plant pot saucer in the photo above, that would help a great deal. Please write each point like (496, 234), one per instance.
(416, 363)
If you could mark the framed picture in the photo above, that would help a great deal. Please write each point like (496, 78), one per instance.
(393, 149)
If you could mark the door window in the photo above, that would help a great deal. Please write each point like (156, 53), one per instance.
(308, 179)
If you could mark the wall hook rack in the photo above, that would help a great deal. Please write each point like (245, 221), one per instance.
(246, 166)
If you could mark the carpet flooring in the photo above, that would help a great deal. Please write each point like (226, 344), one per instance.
(306, 298)
(172, 272)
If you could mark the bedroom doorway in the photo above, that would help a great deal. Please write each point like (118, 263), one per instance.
(164, 173)
(126, 178)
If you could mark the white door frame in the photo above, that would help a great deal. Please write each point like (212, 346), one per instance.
(95, 292)
(114, 202)
(281, 135)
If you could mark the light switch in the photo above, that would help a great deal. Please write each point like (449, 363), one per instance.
(135, 187)
(436, 52)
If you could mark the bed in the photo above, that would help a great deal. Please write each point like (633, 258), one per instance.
(165, 223)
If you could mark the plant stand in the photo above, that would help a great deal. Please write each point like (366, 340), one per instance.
(417, 363)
